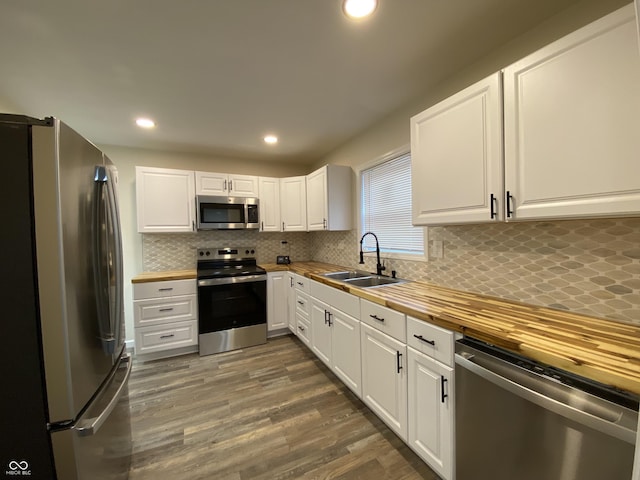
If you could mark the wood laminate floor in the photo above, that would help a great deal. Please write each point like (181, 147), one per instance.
(268, 412)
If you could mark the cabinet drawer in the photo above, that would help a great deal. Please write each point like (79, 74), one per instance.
(301, 283)
(169, 288)
(431, 340)
(302, 304)
(166, 337)
(164, 310)
(384, 319)
(303, 329)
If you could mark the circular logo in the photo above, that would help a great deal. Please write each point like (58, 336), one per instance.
(23, 465)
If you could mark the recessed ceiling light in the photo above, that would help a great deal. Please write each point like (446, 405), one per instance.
(359, 8)
(271, 139)
(145, 123)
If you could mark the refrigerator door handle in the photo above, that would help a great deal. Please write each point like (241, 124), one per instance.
(90, 426)
(107, 242)
(100, 259)
(117, 315)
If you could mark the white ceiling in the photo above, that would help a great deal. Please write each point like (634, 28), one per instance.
(217, 75)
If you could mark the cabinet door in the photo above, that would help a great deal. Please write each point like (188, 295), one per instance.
(293, 204)
(456, 158)
(291, 302)
(165, 200)
(320, 331)
(431, 404)
(384, 378)
(572, 117)
(243, 185)
(317, 200)
(277, 300)
(269, 194)
(345, 350)
(209, 183)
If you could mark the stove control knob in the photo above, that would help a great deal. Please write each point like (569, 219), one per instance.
(253, 252)
(201, 253)
(246, 252)
(207, 253)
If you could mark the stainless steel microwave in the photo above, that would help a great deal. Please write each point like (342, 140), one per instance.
(227, 213)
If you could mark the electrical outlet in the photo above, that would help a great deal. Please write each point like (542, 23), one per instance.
(437, 249)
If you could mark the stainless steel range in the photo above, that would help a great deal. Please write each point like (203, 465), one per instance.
(232, 299)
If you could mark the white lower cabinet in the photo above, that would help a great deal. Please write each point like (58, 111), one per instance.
(384, 378)
(431, 404)
(335, 332)
(321, 331)
(431, 394)
(165, 317)
(335, 339)
(277, 307)
(401, 367)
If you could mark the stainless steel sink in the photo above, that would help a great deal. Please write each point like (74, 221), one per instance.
(358, 278)
(373, 281)
(346, 275)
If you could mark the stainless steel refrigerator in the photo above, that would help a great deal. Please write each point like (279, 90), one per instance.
(64, 370)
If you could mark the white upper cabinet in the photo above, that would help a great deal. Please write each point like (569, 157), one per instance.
(165, 200)
(571, 143)
(329, 198)
(456, 158)
(226, 184)
(293, 204)
(269, 194)
(572, 123)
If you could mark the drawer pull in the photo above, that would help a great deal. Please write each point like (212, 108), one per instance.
(167, 336)
(166, 289)
(300, 302)
(398, 356)
(422, 339)
(166, 309)
(301, 328)
(300, 283)
(375, 317)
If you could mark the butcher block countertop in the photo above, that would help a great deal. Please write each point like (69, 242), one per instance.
(603, 350)
(164, 276)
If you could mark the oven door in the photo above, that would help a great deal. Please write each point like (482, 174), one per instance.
(233, 302)
(221, 213)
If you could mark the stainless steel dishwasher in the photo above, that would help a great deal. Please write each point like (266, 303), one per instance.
(520, 420)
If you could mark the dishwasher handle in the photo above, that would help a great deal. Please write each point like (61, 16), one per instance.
(557, 406)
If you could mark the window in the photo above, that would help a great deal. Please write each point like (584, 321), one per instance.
(386, 208)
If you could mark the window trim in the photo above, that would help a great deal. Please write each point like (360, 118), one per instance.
(416, 257)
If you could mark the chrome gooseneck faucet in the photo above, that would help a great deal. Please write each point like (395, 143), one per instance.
(379, 266)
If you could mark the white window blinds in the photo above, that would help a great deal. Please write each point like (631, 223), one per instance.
(386, 207)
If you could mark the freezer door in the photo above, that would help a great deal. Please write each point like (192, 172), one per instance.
(78, 350)
(98, 446)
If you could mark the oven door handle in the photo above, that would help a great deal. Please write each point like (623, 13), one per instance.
(207, 282)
